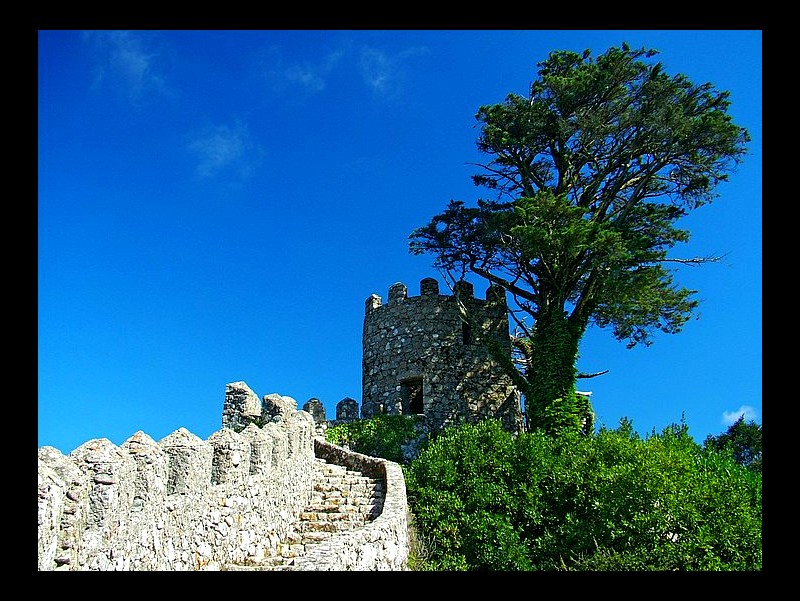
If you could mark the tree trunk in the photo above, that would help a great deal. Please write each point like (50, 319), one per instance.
(550, 400)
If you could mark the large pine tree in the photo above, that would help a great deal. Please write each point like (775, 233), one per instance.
(590, 171)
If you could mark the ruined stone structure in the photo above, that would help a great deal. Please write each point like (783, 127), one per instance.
(262, 498)
(421, 356)
(267, 492)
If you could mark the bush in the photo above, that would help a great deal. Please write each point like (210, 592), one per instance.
(380, 436)
(486, 500)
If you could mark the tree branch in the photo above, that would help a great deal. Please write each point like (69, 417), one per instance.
(594, 375)
(694, 260)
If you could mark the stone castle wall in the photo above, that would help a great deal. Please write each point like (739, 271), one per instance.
(183, 504)
(420, 356)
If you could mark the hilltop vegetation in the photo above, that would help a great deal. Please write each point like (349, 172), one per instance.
(483, 499)
(591, 173)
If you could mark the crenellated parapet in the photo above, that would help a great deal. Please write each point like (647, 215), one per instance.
(232, 502)
(494, 305)
(181, 503)
(430, 355)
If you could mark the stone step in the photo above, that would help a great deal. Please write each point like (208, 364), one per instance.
(342, 500)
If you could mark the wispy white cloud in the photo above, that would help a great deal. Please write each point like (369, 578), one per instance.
(384, 73)
(307, 77)
(730, 417)
(314, 77)
(225, 148)
(377, 70)
(311, 76)
(125, 59)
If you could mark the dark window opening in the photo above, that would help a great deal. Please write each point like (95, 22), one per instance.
(415, 402)
(412, 397)
(466, 333)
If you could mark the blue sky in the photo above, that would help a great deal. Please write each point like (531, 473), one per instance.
(217, 206)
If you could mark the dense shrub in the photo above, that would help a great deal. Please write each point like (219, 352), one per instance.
(486, 500)
(380, 436)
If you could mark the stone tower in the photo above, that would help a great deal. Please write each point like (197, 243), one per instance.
(420, 357)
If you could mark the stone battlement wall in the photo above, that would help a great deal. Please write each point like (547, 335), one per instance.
(421, 356)
(183, 504)
(233, 501)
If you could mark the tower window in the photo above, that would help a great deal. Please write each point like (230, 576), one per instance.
(412, 397)
(466, 333)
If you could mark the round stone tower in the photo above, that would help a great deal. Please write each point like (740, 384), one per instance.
(421, 357)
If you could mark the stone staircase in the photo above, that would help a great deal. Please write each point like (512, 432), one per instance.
(342, 500)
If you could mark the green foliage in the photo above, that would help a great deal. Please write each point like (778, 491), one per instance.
(742, 441)
(550, 400)
(379, 436)
(486, 500)
(592, 170)
(465, 516)
(258, 420)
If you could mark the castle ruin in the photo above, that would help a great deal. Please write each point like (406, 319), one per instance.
(237, 501)
(421, 356)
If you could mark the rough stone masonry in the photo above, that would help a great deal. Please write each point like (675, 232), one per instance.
(184, 503)
(420, 356)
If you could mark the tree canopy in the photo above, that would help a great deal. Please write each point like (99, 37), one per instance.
(589, 174)
(742, 440)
